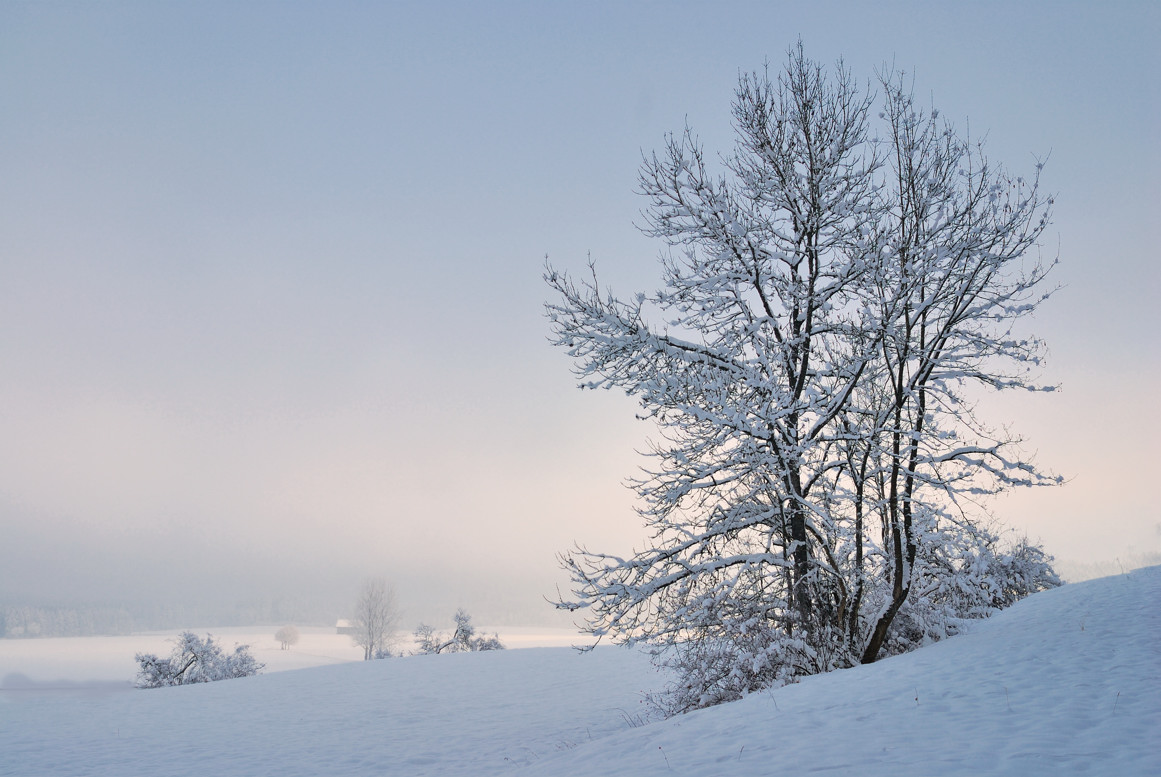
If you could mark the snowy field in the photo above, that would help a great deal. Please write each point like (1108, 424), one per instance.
(103, 660)
(1067, 682)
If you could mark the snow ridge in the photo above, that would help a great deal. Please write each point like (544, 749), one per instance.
(1067, 681)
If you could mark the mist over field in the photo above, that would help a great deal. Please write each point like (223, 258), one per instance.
(271, 305)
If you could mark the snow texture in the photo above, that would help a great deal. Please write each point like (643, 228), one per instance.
(1065, 682)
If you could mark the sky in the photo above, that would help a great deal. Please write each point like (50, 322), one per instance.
(271, 306)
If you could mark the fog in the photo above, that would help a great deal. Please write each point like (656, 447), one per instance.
(270, 297)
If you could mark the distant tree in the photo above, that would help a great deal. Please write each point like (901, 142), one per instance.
(287, 636)
(195, 660)
(462, 640)
(375, 619)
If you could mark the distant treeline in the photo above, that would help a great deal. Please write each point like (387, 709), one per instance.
(24, 622)
(20, 621)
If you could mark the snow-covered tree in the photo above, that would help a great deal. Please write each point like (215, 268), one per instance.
(463, 638)
(952, 278)
(195, 660)
(829, 297)
(375, 619)
(287, 636)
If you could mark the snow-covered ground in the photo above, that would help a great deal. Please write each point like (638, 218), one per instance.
(108, 659)
(1066, 682)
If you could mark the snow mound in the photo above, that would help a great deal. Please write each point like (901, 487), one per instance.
(1065, 682)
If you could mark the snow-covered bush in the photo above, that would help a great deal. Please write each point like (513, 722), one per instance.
(739, 658)
(980, 578)
(428, 641)
(1019, 571)
(734, 651)
(195, 660)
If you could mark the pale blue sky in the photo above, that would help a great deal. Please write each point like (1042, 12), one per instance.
(270, 293)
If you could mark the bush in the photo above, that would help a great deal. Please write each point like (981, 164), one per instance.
(195, 660)
(462, 640)
(741, 650)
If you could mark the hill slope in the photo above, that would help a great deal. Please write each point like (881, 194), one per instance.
(1066, 682)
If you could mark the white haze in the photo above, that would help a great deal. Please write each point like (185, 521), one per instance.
(270, 296)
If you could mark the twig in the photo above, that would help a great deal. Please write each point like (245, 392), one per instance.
(663, 755)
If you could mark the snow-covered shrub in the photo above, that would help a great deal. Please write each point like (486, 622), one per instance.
(739, 648)
(976, 581)
(741, 659)
(195, 660)
(1019, 571)
(428, 641)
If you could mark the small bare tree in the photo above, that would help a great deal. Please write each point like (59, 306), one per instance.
(375, 619)
(287, 636)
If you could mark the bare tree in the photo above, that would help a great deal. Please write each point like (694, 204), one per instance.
(827, 298)
(287, 636)
(375, 619)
